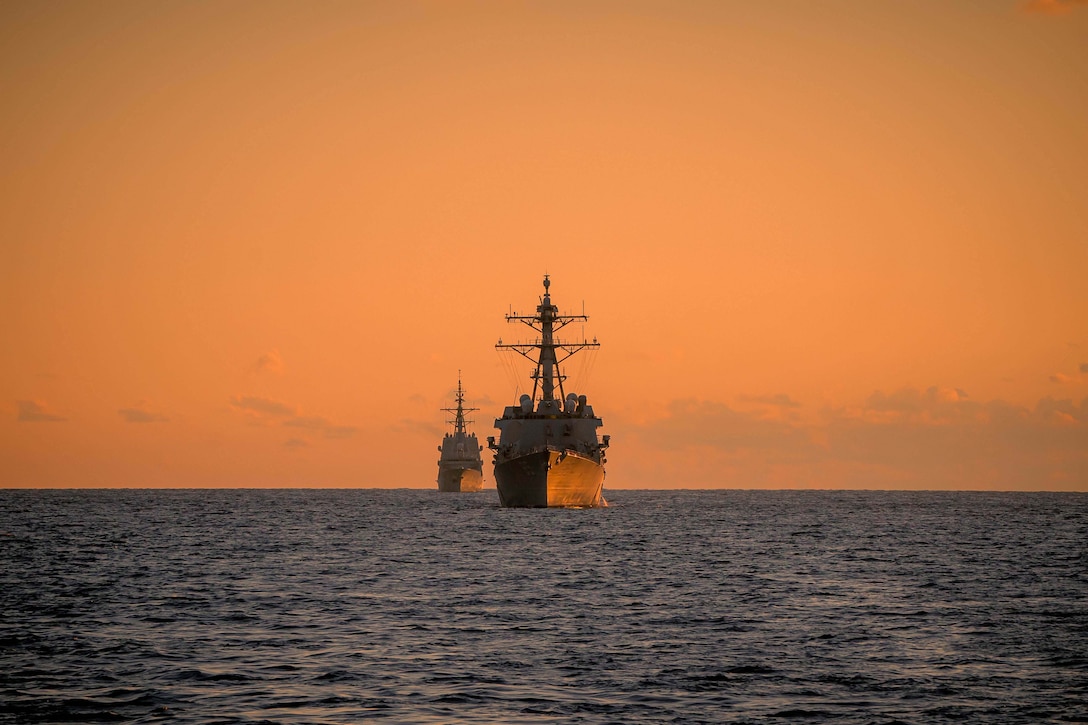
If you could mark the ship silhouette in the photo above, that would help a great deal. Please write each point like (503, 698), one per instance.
(460, 467)
(548, 453)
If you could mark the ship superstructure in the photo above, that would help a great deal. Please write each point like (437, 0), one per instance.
(460, 468)
(548, 453)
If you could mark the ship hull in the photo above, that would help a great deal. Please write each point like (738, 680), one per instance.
(460, 480)
(549, 478)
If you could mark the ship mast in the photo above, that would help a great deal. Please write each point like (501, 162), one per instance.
(547, 321)
(459, 412)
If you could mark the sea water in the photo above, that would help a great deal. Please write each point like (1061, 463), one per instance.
(413, 606)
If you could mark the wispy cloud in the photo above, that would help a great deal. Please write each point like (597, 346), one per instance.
(269, 362)
(932, 438)
(484, 401)
(930, 405)
(320, 425)
(339, 431)
(780, 400)
(1077, 377)
(311, 422)
(140, 414)
(34, 411)
(274, 412)
(428, 427)
(262, 407)
(1052, 7)
(708, 423)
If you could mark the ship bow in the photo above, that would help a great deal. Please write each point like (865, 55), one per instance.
(549, 478)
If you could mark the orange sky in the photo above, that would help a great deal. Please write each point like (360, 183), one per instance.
(830, 245)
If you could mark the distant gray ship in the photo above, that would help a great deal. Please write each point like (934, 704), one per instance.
(548, 453)
(460, 468)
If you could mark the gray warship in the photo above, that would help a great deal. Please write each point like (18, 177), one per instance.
(548, 453)
(460, 468)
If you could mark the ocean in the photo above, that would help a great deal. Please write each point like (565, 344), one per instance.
(412, 606)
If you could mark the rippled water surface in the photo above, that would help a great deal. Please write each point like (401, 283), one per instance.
(415, 606)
